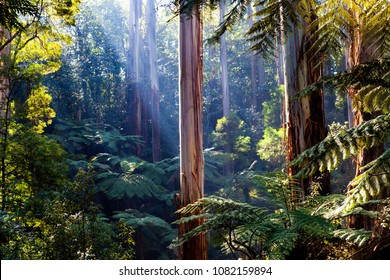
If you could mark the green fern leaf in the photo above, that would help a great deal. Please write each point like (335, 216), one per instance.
(130, 185)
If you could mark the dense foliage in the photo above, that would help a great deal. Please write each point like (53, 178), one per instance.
(77, 182)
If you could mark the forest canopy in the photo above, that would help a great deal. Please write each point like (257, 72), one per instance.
(260, 130)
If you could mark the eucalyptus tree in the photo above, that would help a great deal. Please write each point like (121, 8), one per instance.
(360, 30)
(224, 67)
(134, 69)
(154, 85)
(367, 40)
(257, 73)
(304, 117)
(287, 22)
(191, 126)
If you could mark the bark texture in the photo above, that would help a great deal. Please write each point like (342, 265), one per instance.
(191, 128)
(304, 117)
(357, 53)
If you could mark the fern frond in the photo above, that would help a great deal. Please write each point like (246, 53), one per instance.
(357, 236)
(325, 32)
(370, 184)
(366, 135)
(360, 211)
(281, 243)
(153, 228)
(235, 11)
(130, 185)
(376, 29)
(107, 158)
(273, 22)
(218, 205)
(240, 225)
(137, 219)
(279, 190)
(312, 225)
(371, 80)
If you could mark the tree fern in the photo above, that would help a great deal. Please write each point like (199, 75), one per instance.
(254, 232)
(328, 154)
(154, 229)
(239, 224)
(129, 186)
(274, 20)
(375, 176)
(337, 20)
(79, 137)
(371, 81)
(136, 219)
(357, 236)
(371, 184)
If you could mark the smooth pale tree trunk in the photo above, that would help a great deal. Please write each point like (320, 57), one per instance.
(304, 117)
(155, 92)
(134, 121)
(279, 63)
(224, 67)
(135, 108)
(137, 76)
(225, 85)
(255, 82)
(191, 128)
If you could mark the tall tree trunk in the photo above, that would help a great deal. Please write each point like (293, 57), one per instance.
(137, 76)
(155, 92)
(191, 128)
(279, 63)
(357, 54)
(228, 169)
(305, 117)
(224, 67)
(255, 82)
(4, 80)
(134, 121)
(4, 112)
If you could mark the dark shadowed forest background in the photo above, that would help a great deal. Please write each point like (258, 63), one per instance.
(238, 129)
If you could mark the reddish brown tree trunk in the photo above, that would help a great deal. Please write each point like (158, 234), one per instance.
(355, 55)
(191, 128)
